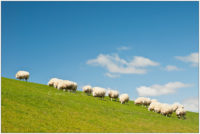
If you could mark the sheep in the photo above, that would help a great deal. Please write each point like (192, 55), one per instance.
(61, 84)
(98, 92)
(74, 86)
(67, 85)
(123, 98)
(143, 101)
(166, 110)
(22, 75)
(113, 94)
(87, 89)
(146, 101)
(153, 105)
(180, 112)
(157, 107)
(51, 82)
(139, 101)
(175, 106)
(56, 83)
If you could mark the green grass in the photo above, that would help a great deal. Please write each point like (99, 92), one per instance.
(31, 107)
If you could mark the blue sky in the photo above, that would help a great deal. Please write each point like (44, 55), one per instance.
(139, 48)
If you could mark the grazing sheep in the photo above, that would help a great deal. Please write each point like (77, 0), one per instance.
(22, 75)
(146, 101)
(153, 105)
(123, 98)
(51, 81)
(139, 101)
(67, 85)
(143, 101)
(180, 112)
(98, 92)
(166, 110)
(158, 107)
(113, 94)
(74, 86)
(56, 83)
(175, 106)
(87, 89)
(61, 84)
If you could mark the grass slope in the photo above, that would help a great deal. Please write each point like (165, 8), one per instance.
(31, 107)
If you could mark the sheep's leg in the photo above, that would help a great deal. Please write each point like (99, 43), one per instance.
(184, 117)
(111, 99)
(64, 90)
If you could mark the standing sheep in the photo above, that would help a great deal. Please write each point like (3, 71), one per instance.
(139, 101)
(143, 101)
(22, 75)
(98, 92)
(175, 106)
(166, 110)
(113, 94)
(180, 112)
(68, 85)
(51, 82)
(153, 105)
(87, 89)
(123, 98)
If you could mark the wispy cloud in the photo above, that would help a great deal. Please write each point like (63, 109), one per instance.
(112, 75)
(122, 48)
(192, 58)
(157, 90)
(172, 68)
(114, 64)
(191, 104)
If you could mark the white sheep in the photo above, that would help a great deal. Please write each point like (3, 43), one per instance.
(139, 101)
(74, 86)
(153, 105)
(180, 112)
(166, 110)
(22, 75)
(143, 101)
(175, 106)
(56, 83)
(146, 101)
(67, 85)
(123, 98)
(157, 107)
(98, 92)
(113, 94)
(87, 89)
(62, 84)
(51, 81)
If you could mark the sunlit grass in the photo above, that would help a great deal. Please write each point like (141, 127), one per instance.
(31, 107)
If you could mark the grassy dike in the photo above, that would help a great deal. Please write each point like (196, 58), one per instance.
(31, 107)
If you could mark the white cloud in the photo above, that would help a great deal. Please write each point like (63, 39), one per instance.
(157, 90)
(192, 58)
(139, 61)
(172, 68)
(191, 104)
(112, 75)
(123, 48)
(114, 64)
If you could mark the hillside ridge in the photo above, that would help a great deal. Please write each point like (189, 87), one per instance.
(32, 107)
